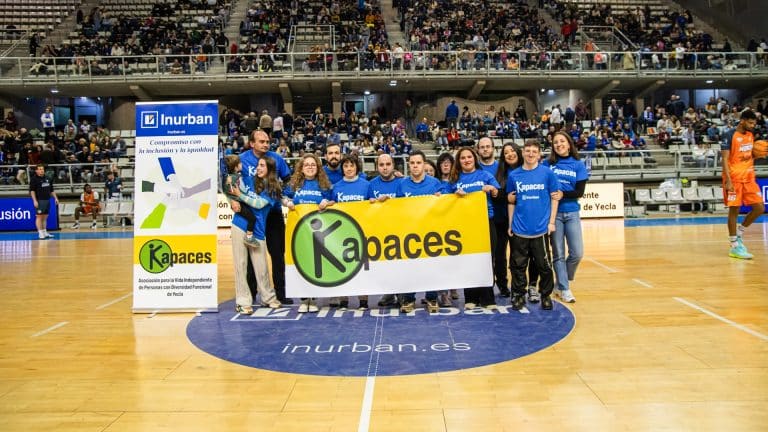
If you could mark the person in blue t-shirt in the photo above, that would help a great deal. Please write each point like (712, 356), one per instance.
(572, 174)
(333, 163)
(308, 185)
(266, 186)
(466, 177)
(259, 148)
(383, 187)
(533, 194)
(352, 187)
(444, 167)
(385, 184)
(418, 184)
(489, 163)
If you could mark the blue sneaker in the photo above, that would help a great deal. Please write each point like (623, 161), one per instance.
(740, 252)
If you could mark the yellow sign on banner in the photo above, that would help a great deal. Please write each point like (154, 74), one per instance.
(401, 245)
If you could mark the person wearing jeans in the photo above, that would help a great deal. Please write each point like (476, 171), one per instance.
(572, 175)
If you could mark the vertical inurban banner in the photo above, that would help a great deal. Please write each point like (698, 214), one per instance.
(174, 246)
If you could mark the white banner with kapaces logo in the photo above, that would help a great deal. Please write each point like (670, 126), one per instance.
(175, 255)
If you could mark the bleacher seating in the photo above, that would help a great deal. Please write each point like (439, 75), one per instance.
(35, 15)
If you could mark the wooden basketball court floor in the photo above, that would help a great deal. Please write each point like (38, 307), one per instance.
(670, 334)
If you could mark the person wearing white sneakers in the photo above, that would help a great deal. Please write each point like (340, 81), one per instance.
(41, 190)
(89, 205)
(572, 175)
(308, 185)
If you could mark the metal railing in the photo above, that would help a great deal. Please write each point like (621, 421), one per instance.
(68, 178)
(470, 63)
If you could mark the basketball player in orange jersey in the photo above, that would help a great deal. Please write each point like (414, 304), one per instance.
(739, 185)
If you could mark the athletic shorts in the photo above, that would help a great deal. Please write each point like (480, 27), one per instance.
(43, 207)
(743, 194)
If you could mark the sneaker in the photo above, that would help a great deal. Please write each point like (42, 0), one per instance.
(533, 294)
(445, 300)
(274, 304)
(50, 236)
(740, 252)
(504, 292)
(76, 225)
(546, 303)
(304, 306)
(313, 307)
(566, 296)
(407, 307)
(363, 305)
(93, 225)
(387, 300)
(344, 304)
(245, 310)
(518, 301)
(469, 306)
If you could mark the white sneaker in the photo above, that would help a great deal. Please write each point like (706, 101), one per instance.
(76, 225)
(469, 306)
(566, 296)
(93, 225)
(533, 294)
(48, 235)
(304, 307)
(313, 307)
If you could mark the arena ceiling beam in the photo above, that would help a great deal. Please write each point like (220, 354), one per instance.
(605, 89)
(476, 89)
(649, 88)
(140, 92)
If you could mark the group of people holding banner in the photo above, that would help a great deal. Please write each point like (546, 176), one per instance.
(531, 205)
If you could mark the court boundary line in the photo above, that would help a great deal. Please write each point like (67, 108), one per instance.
(108, 304)
(723, 319)
(599, 264)
(50, 329)
(364, 423)
(642, 282)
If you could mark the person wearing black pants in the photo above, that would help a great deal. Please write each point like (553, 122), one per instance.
(535, 251)
(275, 226)
(511, 158)
(467, 176)
(534, 192)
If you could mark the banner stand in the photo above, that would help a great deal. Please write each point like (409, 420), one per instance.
(175, 240)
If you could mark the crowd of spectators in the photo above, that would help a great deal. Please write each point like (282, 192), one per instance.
(164, 30)
(652, 38)
(85, 152)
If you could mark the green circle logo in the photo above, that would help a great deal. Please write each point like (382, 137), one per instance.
(155, 256)
(328, 247)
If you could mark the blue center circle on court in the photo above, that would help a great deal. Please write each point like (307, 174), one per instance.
(380, 341)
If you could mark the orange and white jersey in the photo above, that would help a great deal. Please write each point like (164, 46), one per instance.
(740, 161)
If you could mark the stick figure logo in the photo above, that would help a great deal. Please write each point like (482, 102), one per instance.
(155, 256)
(328, 248)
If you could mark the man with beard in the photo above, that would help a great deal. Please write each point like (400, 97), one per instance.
(489, 164)
(275, 224)
(332, 159)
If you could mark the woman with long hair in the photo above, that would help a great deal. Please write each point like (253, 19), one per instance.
(308, 185)
(511, 158)
(466, 177)
(572, 175)
(267, 187)
(352, 187)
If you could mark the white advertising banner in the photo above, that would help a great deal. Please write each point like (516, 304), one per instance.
(175, 211)
(223, 211)
(602, 200)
